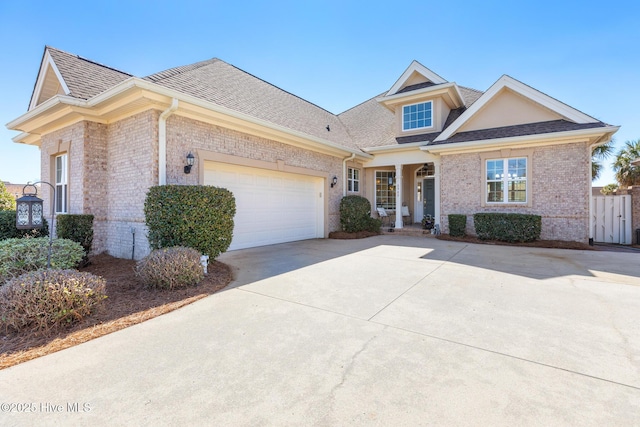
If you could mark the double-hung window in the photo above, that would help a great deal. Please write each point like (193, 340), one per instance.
(353, 180)
(62, 173)
(417, 116)
(507, 180)
(386, 189)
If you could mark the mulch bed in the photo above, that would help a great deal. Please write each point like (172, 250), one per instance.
(127, 303)
(556, 244)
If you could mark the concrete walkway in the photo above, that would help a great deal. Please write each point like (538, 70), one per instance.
(381, 331)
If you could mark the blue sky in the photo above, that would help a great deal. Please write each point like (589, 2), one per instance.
(336, 54)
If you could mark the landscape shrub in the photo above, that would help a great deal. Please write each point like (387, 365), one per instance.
(457, 225)
(18, 256)
(196, 216)
(78, 228)
(355, 215)
(8, 228)
(170, 268)
(48, 299)
(508, 227)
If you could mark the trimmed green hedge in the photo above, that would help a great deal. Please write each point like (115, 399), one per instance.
(195, 216)
(457, 224)
(18, 256)
(355, 215)
(508, 227)
(78, 228)
(8, 228)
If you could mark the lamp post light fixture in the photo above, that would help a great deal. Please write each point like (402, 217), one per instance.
(190, 160)
(29, 212)
(334, 181)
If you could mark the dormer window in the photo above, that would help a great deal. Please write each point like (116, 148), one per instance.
(417, 116)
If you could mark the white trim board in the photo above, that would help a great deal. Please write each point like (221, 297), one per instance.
(47, 61)
(520, 88)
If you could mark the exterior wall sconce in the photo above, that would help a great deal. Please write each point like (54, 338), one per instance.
(29, 213)
(334, 181)
(190, 161)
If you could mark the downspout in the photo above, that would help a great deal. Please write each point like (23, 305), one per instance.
(162, 141)
(344, 173)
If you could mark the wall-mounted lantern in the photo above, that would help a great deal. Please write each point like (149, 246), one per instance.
(190, 160)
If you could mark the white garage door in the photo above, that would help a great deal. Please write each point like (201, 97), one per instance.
(271, 207)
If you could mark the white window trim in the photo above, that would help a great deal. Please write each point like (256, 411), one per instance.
(351, 181)
(418, 128)
(506, 154)
(64, 183)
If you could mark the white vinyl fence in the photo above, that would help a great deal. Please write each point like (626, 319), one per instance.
(612, 219)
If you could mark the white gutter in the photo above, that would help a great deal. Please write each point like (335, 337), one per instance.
(135, 82)
(162, 141)
(409, 146)
(344, 173)
(496, 142)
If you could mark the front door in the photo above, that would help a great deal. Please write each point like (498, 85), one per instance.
(429, 197)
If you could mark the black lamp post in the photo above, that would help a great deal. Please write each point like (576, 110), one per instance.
(29, 212)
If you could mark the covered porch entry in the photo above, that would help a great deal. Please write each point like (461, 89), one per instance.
(404, 177)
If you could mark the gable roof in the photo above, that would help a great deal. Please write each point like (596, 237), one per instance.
(414, 68)
(222, 88)
(81, 78)
(569, 113)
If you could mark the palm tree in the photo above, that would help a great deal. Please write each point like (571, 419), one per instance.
(626, 173)
(600, 153)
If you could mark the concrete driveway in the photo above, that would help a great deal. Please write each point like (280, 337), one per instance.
(382, 331)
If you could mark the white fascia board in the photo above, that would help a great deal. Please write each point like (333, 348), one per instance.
(45, 106)
(143, 84)
(636, 162)
(46, 61)
(524, 139)
(527, 91)
(438, 88)
(419, 68)
(135, 82)
(395, 147)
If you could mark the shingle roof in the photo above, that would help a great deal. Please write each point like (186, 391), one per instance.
(223, 84)
(416, 87)
(519, 130)
(366, 125)
(370, 124)
(83, 77)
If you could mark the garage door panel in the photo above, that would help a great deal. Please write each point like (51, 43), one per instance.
(271, 206)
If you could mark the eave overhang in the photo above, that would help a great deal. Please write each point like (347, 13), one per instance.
(136, 95)
(449, 92)
(594, 136)
(412, 146)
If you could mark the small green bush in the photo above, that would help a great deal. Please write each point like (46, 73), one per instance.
(508, 227)
(18, 256)
(170, 268)
(196, 216)
(457, 225)
(355, 215)
(78, 228)
(48, 299)
(8, 228)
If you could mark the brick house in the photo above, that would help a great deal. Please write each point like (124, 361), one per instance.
(439, 148)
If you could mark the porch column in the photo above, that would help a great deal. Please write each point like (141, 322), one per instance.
(436, 190)
(398, 196)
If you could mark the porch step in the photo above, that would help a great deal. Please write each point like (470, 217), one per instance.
(407, 231)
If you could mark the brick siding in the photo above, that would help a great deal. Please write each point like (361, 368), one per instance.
(111, 168)
(564, 208)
